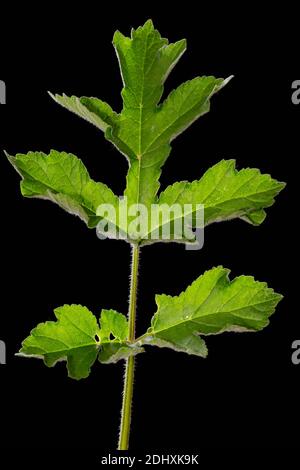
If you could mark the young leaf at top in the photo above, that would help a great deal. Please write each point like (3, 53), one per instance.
(144, 128)
(77, 338)
(210, 305)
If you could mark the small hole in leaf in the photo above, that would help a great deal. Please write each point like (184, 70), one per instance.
(97, 339)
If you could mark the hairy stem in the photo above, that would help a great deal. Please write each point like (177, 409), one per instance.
(129, 369)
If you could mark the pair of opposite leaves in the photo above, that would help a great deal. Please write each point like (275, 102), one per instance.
(143, 132)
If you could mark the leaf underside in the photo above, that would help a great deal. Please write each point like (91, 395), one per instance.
(77, 338)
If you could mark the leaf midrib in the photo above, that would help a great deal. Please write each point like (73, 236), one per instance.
(139, 156)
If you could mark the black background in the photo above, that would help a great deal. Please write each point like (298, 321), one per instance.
(246, 394)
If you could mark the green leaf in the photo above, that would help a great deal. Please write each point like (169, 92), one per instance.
(144, 128)
(77, 338)
(211, 305)
(225, 193)
(62, 178)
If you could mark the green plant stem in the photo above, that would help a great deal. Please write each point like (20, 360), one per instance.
(129, 369)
